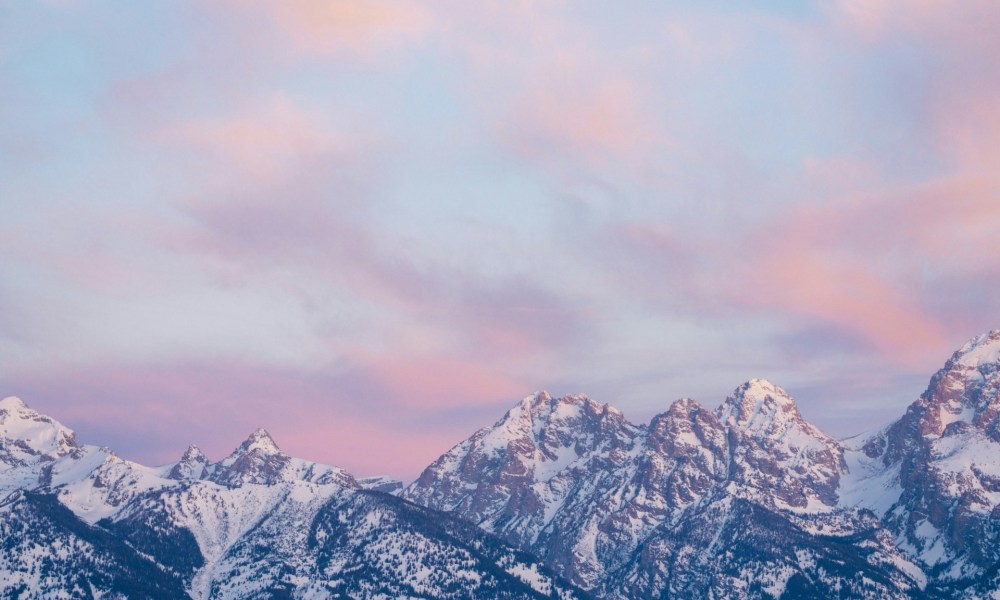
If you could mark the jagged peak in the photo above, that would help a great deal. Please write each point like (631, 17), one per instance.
(194, 454)
(682, 409)
(544, 398)
(540, 419)
(963, 391)
(682, 415)
(260, 441)
(539, 398)
(259, 433)
(762, 385)
(192, 464)
(684, 406)
(981, 350)
(541, 404)
(257, 460)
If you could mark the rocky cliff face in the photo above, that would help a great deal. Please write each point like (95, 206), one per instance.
(776, 457)
(945, 455)
(613, 510)
(539, 477)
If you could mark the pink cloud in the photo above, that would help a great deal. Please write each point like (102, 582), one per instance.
(551, 97)
(363, 29)
(809, 266)
(318, 245)
(954, 222)
(150, 414)
(848, 295)
(106, 248)
(834, 176)
(963, 81)
(600, 125)
(657, 263)
(969, 130)
(868, 263)
(431, 382)
(266, 144)
(896, 266)
(895, 262)
(369, 449)
(970, 23)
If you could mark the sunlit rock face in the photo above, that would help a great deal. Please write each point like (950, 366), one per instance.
(945, 452)
(609, 503)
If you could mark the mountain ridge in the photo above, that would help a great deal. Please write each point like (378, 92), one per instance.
(560, 496)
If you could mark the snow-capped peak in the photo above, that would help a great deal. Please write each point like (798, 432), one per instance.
(12, 403)
(981, 350)
(684, 406)
(542, 406)
(193, 454)
(260, 441)
(191, 465)
(529, 417)
(758, 405)
(776, 456)
(540, 398)
(257, 460)
(33, 434)
(966, 390)
(685, 427)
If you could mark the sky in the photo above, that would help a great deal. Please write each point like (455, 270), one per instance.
(372, 227)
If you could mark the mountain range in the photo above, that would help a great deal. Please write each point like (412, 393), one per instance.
(560, 498)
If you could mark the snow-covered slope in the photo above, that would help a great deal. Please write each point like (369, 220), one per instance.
(46, 552)
(29, 442)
